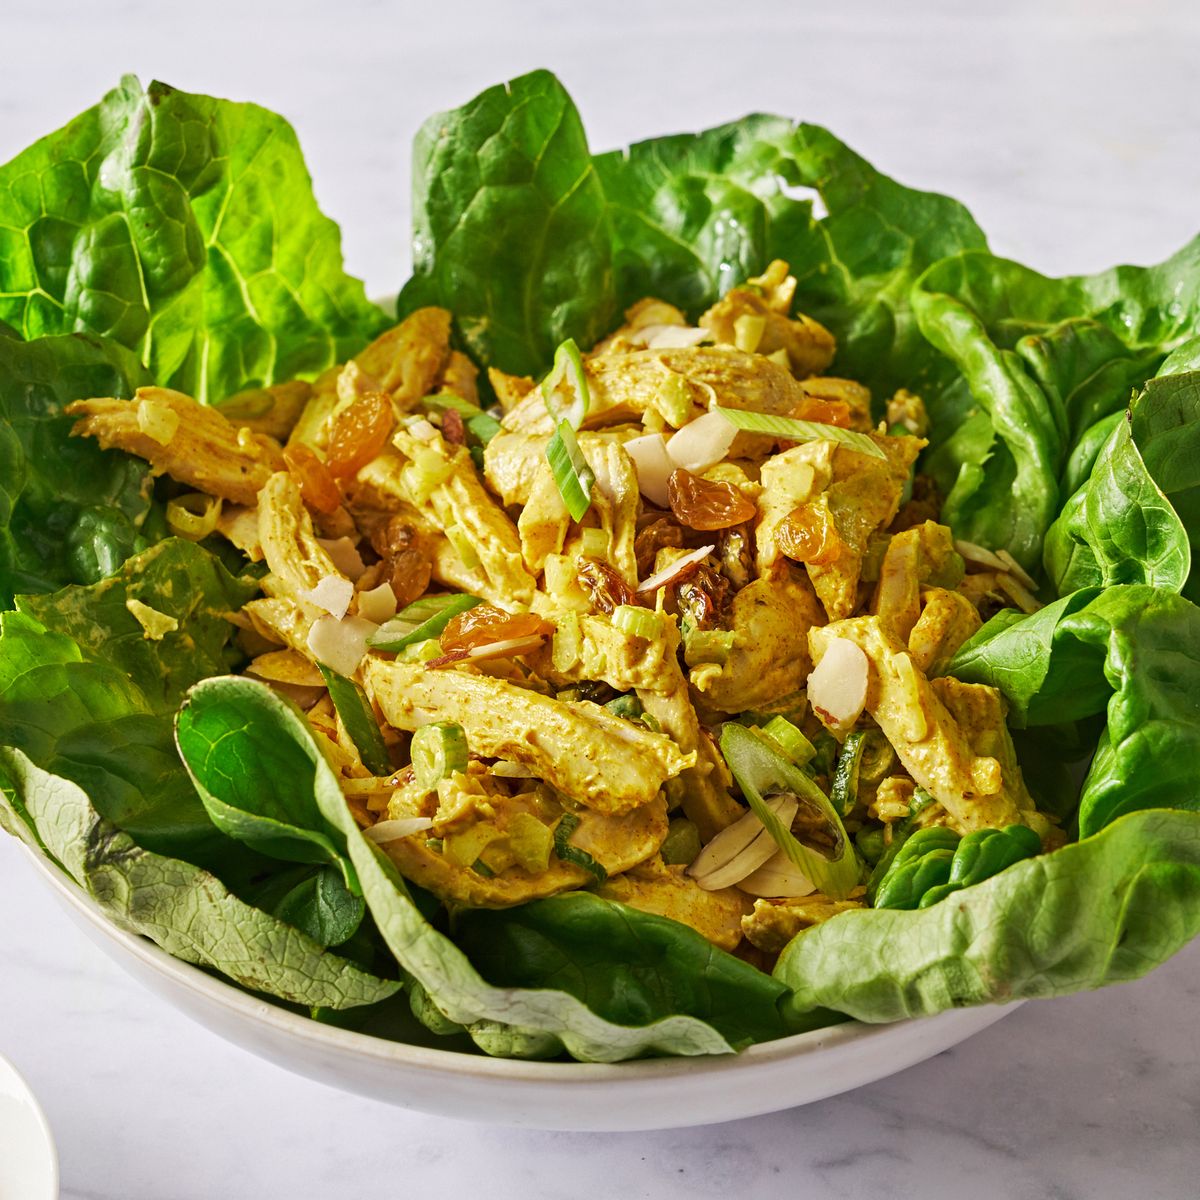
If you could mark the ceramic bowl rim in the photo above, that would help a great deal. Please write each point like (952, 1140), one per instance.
(452, 1063)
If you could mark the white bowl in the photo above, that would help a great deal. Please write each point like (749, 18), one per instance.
(28, 1160)
(650, 1094)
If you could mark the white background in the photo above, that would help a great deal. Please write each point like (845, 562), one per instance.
(1071, 130)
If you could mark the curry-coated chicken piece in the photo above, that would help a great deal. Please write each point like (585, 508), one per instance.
(666, 891)
(788, 480)
(475, 544)
(769, 659)
(862, 498)
(513, 461)
(580, 748)
(916, 558)
(947, 621)
(191, 442)
(979, 790)
(643, 321)
(587, 647)
(479, 820)
(297, 560)
(680, 383)
(774, 923)
(810, 347)
(404, 362)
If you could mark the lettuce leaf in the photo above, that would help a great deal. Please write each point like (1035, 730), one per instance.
(1039, 362)
(667, 1018)
(683, 218)
(184, 228)
(183, 909)
(510, 225)
(69, 511)
(85, 695)
(1136, 517)
(1132, 653)
(624, 964)
(1100, 911)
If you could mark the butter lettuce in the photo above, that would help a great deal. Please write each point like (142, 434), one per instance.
(69, 511)
(184, 228)
(683, 218)
(174, 239)
(569, 996)
(183, 909)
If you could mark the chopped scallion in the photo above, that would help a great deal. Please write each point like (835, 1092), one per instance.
(356, 715)
(568, 363)
(438, 751)
(796, 430)
(573, 476)
(573, 854)
(637, 622)
(431, 615)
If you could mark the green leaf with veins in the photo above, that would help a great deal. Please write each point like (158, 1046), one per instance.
(185, 228)
(1101, 911)
(626, 965)
(1038, 363)
(228, 768)
(250, 718)
(1131, 652)
(69, 511)
(694, 214)
(682, 218)
(87, 696)
(180, 907)
(510, 225)
(1132, 520)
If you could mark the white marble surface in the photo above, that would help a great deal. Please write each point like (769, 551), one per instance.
(1070, 129)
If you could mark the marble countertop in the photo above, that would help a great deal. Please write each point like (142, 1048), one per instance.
(1069, 129)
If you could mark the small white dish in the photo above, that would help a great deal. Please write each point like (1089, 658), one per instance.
(28, 1159)
(654, 1093)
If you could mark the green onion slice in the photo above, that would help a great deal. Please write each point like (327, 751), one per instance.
(440, 401)
(482, 427)
(571, 472)
(424, 619)
(438, 751)
(790, 740)
(761, 771)
(357, 716)
(569, 362)
(573, 854)
(796, 430)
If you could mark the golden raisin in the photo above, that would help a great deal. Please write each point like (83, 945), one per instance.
(360, 432)
(702, 597)
(317, 486)
(703, 504)
(808, 534)
(407, 564)
(651, 539)
(827, 412)
(486, 623)
(604, 587)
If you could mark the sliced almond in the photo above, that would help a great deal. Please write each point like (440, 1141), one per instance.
(740, 848)
(344, 554)
(978, 555)
(777, 878)
(653, 466)
(837, 687)
(332, 594)
(340, 645)
(378, 604)
(702, 443)
(392, 831)
(1014, 568)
